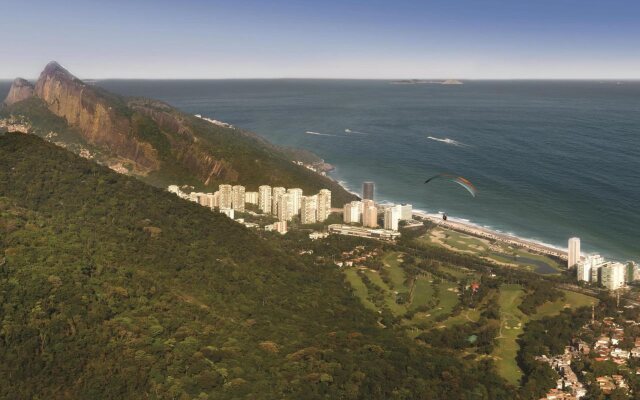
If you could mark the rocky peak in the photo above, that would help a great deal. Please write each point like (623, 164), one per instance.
(21, 89)
(97, 115)
(53, 69)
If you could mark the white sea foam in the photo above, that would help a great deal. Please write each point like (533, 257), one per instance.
(448, 141)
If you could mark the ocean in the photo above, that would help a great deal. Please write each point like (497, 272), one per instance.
(550, 159)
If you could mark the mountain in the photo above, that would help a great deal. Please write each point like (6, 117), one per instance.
(152, 140)
(20, 90)
(113, 289)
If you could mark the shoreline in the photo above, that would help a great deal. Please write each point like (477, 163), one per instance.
(472, 229)
(486, 233)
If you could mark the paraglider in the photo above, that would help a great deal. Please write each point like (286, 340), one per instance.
(457, 179)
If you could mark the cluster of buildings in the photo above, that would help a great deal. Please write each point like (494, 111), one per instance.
(13, 124)
(568, 387)
(284, 204)
(595, 269)
(366, 212)
(361, 218)
(357, 256)
(607, 346)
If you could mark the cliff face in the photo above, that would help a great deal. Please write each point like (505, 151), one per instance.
(96, 115)
(20, 90)
(186, 145)
(163, 144)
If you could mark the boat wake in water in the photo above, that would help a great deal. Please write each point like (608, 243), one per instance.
(318, 133)
(357, 132)
(448, 141)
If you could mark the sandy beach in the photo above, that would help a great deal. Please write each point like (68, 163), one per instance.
(485, 233)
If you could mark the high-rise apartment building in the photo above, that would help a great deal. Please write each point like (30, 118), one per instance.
(226, 196)
(406, 212)
(324, 205)
(215, 199)
(237, 200)
(285, 207)
(368, 190)
(574, 252)
(264, 199)
(585, 267)
(251, 197)
(369, 214)
(309, 209)
(613, 275)
(275, 199)
(353, 212)
(296, 199)
(392, 217)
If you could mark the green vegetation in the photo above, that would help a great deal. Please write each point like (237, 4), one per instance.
(110, 288)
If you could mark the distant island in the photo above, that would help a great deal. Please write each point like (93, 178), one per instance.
(423, 81)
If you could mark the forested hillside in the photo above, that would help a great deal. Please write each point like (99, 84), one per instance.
(110, 288)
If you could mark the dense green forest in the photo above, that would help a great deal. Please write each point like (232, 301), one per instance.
(110, 288)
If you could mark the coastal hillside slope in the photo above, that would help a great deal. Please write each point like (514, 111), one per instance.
(152, 140)
(111, 289)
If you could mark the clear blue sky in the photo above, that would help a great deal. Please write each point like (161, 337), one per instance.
(323, 38)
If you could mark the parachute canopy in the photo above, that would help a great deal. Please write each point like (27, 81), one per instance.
(457, 179)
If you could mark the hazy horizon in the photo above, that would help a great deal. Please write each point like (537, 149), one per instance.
(248, 39)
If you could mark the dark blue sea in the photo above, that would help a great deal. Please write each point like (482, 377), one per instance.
(550, 159)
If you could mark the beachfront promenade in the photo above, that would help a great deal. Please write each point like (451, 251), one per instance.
(492, 235)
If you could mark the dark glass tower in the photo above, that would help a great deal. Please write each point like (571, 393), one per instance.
(367, 191)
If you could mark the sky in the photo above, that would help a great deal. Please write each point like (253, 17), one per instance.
(369, 39)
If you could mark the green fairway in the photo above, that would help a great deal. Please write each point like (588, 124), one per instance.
(439, 298)
(571, 300)
(512, 321)
(459, 272)
(390, 295)
(423, 292)
(448, 296)
(391, 262)
(359, 288)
